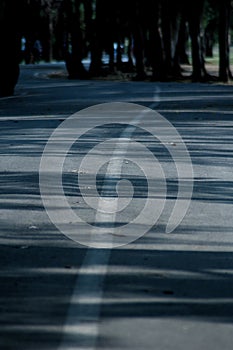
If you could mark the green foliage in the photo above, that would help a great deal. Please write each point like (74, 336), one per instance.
(210, 12)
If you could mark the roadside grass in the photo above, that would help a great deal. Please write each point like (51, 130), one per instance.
(215, 59)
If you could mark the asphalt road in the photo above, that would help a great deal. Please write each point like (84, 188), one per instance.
(164, 290)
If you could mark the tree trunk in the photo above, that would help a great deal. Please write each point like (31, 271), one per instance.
(50, 32)
(10, 47)
(171, 16)
(156, 48)
(181, 56)
(210, 38)
(73, 59)
(138, 36)
(195, 11)
(96, 40)
(224, 25)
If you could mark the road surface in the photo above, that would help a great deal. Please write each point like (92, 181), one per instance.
(164, 290)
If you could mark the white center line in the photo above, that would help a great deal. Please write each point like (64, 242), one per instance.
(81, 330)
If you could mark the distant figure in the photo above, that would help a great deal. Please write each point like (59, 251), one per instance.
(37, 51)
(23, 49)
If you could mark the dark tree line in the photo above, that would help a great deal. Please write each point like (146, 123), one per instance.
(156, 32)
